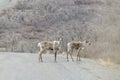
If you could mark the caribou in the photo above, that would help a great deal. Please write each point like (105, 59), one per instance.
(76, 45)
(53, 46)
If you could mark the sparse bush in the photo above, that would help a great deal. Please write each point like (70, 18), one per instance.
(94, 20)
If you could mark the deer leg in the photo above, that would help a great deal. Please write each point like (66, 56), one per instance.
(40, 56)
(55, 52)
(68, 52)
(78, 55)
(71, 55)
(67, 56)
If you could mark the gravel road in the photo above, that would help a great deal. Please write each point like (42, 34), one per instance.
(25, 66)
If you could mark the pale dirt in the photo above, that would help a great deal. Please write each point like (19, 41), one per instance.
(25, 66)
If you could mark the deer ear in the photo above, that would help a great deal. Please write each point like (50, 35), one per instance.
(60, 38)
(38, 45)
(87, 41)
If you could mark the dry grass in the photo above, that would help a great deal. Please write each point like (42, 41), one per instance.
(108, 63)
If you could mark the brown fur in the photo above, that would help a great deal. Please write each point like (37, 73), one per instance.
(77, 46)
(53, 46)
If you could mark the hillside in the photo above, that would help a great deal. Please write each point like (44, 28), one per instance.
(26, 67)
(26, 22)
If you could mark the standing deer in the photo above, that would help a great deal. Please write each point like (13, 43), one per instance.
(53, 46)
(76, 46)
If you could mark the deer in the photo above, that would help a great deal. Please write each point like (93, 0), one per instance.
(76, 45)
(53, 46)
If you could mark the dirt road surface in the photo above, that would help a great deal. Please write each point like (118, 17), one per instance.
(25, 66)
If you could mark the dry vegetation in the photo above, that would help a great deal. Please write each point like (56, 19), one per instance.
(108, 63)
(30, 21)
